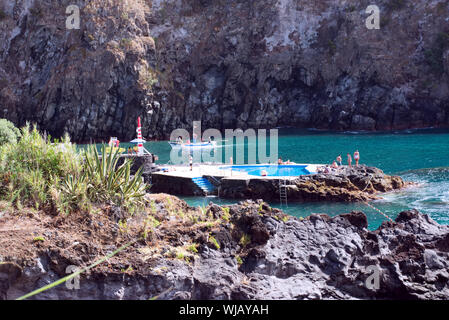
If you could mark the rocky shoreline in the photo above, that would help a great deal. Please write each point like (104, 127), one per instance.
(242, 251)
(347, 184)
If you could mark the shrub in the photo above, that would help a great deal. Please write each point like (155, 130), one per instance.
(36, 172)
(109, 182)
(8, 132)
(29, 167)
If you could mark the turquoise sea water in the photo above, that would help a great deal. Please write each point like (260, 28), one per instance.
(421, 156)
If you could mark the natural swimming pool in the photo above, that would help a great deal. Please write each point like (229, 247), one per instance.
(271, 170)
(421, 156)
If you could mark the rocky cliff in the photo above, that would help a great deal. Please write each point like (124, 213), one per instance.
(244, 251)
(228, 63)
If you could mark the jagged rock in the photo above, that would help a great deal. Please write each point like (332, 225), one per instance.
(360, 183)
(318, 257)
(249, 64)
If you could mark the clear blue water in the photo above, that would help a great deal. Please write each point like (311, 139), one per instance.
(272, 170)
(421, 156)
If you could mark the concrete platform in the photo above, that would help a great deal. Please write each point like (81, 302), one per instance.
(179, 180)
(223, 171)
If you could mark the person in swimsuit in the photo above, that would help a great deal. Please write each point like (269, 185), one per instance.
(339, 161)
(349, 160)
(191, 163)
(356, 157)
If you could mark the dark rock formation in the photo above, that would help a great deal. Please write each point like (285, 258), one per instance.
(257, 253)
(230, 64)
(347, 184)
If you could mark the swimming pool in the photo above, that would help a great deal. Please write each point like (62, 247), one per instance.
(272, 170)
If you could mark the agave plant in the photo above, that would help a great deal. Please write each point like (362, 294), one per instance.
(71, 194)
(109, 181)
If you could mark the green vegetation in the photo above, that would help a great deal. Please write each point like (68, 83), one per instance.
(8, 132)
(125, 16)
(181, 213)
(214, 242)
(239, 260)
(193, 248)
(123, 226)
(153, 207)
(39, 239)
(169, 205)
(152, 221)
(434, 56)
(180, 255)
(226, 214)
(260, 209)
(37, 173)
(245, 240)
(209, 224)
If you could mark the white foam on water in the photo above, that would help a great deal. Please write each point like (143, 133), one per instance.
(430, 195)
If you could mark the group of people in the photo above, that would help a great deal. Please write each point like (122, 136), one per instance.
(194, 140)
(338, 162)
(286, 162)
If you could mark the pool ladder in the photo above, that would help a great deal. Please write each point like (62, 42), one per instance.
(283, 191)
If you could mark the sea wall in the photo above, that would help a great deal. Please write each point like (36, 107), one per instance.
(181, 186)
